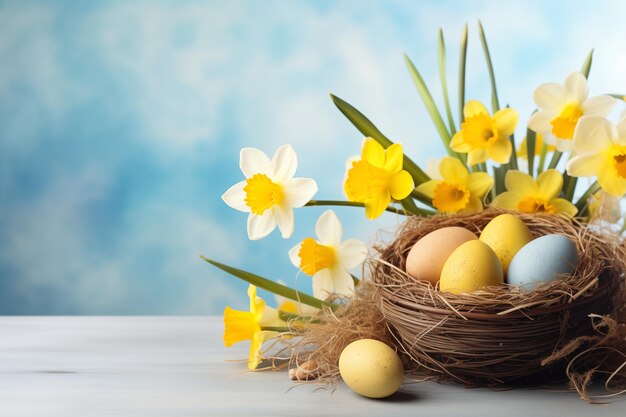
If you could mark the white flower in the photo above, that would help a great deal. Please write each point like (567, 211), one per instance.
(561, 106)
(269, 193)
(329, 259)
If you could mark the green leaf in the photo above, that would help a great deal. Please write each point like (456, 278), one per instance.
(444, 81)
(367, 128)
(409, 205)
(269, 285)
(495, 104)
(587, 64)
(431, 107)
(531, 140)
(462, 61)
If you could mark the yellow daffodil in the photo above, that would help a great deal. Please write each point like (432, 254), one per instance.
(457, 190)
(377, 178)
(248, 325)
(562, 106)
(522, 152)
(600, 148)
(290, 306)
(329, 259)
(269, 193)
(483, 136)
(529, 196)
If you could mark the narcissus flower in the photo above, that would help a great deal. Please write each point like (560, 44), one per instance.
(601, 151)
(483, 136)
(522, 152)
(329, 259)
(377, 178)
(270, 192)
(248, 325)
(529, 196)
(562, 106)
(458, 190)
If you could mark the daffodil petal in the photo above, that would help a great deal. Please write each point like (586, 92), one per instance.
(507, 200)
(294, 256)
(506, 121)
(585, 166)
(520, 183)
(323, 284)
(284, 164)
(284, 220)
(432, 168)
(260, 226)
(477, 156)
(342, 282)
(564, 206)
(550, 96)
(235, 197)
(254, 161)
(621, 132)
(599, 106)
(479, 184)
(352, 252)
(564, 145)
(500, 151)
(254, 357)
(549, 184)
(577, 87)
(452, 170)
(593, 134)
(401, 185)
(328, 229)
(375, 206)
(393, 158)
(373, 153)
(611, 182)
(473, 108)
(428, 188)
(299, 191)
(540, 121)
(473, 205)
(271, 318)
(457, 144)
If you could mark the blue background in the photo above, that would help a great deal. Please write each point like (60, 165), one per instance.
(121, 122)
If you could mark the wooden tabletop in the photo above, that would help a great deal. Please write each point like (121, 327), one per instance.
(177, 366)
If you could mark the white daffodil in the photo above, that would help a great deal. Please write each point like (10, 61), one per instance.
(561, 106)
(270, 192)
(329, 259)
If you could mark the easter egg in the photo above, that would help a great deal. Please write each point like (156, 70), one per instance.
(543, 260)
(371, 368)
(426, 258)
(505, 234)
(471, 266)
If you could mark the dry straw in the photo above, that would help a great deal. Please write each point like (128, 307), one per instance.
(501, 336)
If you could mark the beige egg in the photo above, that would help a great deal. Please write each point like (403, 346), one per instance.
(371, 368)
(506, 234)
(471, 266)
(427, 257)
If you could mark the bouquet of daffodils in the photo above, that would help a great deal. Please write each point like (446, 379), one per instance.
(568, 137)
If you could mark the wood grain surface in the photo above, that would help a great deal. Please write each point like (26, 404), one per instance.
(177, 366)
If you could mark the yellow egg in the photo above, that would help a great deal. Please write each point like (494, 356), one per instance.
(471, 266)
(426, 258)
(371, 368)
(506, 234)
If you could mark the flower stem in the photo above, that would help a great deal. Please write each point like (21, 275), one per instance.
(276, 329)
(542, 159)
(355, 204)
(581, 204)
(555, 159)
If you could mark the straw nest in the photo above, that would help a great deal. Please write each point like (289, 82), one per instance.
(499, 336)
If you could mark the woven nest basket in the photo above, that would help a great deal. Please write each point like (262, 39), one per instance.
(500, 335)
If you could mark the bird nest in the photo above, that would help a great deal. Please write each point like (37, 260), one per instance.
(499, 336)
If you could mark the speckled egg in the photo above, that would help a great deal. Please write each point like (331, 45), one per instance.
(506, 234)
(427, 257)
(371, 368)
(471, 266)
(543, 260)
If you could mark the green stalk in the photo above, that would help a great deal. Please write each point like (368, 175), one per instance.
(276, 329)
(444, 81)
(367, 128)
(581, 204)
(555, 159)
(569, 186)
(269, 285)
(618, 96)
(408, 204)
(542, 158)
(495, 104)
(430, 105)
(587, 65)
(531, 140)
(355, 204)
(462, 61)
(513, 161)
(499, 174)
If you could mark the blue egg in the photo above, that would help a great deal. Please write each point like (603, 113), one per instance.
(542, 260)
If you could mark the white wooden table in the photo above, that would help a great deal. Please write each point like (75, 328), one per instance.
(176, 366)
